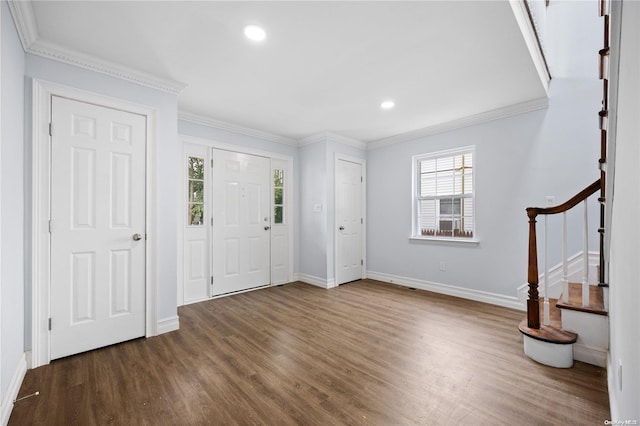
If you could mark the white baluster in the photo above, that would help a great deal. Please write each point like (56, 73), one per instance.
(585, 258)
(565, 264)
(546, 319)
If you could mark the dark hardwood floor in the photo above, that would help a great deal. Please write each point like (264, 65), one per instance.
(363, 353)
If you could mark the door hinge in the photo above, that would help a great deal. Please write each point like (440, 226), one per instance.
(361, 180)
(50, 130)
(50, 226)
(361, 262)
(361, 221)
(212, 162)
(49, 324)
(211, 221)
(211, 280)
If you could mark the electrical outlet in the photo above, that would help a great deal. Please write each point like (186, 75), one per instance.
(443, 266)
(620, 374)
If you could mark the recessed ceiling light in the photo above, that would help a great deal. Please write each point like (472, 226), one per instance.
(387, 105)
(254, 32)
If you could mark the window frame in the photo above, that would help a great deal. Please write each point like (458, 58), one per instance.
(416, 233)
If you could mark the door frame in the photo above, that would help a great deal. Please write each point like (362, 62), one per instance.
(41, 206)
(290, 212)
(363, 233)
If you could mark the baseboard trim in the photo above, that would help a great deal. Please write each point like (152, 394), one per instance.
(593, 356)
(611, 385)
(317, 281)
(465, 293)
(168, 324)
(13, 389)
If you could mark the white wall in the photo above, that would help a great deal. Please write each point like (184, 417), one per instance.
(317, 230)
(571, 48)
(624, 267)
(12, 194)
(519, 160)
(167, 171)
(314, 185)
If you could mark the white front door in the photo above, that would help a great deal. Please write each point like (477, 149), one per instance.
(241, 221)
(97, 226)
(349, 221)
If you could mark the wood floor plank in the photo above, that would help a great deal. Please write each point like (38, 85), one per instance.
(362, 353)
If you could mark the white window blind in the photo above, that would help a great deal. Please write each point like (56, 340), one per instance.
(444, 197)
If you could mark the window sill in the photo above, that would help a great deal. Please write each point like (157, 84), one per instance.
(444, 240)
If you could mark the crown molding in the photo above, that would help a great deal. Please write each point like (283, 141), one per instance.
(496, 114)
(24, 19)
(234, 128)
(530, 35)
(332, 137)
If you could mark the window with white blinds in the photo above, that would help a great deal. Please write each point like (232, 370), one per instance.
(444, 194)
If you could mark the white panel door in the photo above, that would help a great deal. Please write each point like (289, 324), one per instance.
(97, 227)
(348, 221)
(241, 221)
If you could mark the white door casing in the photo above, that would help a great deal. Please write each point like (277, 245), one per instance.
(43, 93)
(349, 220)
(241, 221)
(97, 227)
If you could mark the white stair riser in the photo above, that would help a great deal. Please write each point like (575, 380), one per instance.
(592, 329)
(551, 354)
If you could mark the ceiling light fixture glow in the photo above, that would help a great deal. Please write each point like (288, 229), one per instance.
(387, 105)
(254, 33)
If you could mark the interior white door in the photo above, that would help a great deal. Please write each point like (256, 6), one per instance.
(97, 226)
(349, 221)
(241, 221)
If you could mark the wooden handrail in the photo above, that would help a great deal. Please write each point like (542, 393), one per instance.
(572, 202)
(533, 302)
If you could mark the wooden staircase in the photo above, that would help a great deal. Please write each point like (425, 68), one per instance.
(570, 321)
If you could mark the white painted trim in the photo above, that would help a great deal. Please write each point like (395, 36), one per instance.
(316, 281)
(211, 143)
(465, 293)
(363, 229)
(168, 324)
(590, 355)
(528, 31)
(459, 123)
(23, 16)
(234, 128)
(612, 373)
(25, 21)
(332, 137)
(12, 390)
(42, 93)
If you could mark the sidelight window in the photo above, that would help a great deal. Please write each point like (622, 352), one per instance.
(278, 196)
(195, 191)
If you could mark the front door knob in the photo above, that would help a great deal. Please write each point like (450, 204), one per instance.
(341, 228)
(137, 237)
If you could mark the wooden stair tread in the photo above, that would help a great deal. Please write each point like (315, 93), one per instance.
(552, 333)
(596, 300)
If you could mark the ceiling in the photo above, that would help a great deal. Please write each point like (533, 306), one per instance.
(325, 66)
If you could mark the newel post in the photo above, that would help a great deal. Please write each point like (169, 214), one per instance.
(533, 303)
